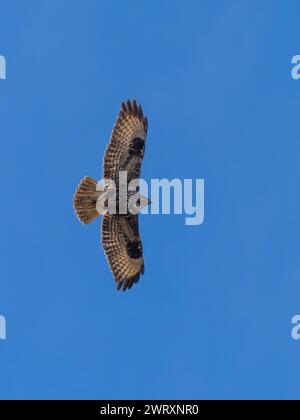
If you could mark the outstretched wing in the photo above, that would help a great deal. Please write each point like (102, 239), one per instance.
(126, 148)
(123, 248)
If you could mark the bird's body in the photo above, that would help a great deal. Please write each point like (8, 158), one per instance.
(120, 232)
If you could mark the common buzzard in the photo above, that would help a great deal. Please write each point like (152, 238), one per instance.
(120, 231)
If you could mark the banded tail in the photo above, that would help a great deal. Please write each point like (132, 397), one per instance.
(85, 200)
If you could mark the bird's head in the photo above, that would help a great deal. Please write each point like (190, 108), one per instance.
(138, 204)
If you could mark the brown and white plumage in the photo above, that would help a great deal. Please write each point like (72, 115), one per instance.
(126, 148)
(85, 199)
(123, 248)
(120, 232)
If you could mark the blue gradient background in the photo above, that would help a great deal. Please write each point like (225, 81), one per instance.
(211, 318)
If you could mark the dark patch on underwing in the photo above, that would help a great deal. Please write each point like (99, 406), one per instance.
(137, 147)
(134, 249)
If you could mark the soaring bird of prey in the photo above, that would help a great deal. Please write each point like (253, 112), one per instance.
(120, 231)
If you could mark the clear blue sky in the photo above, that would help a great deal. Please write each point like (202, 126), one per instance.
(211, 318)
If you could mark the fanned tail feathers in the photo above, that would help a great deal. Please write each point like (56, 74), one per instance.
(85, 199)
